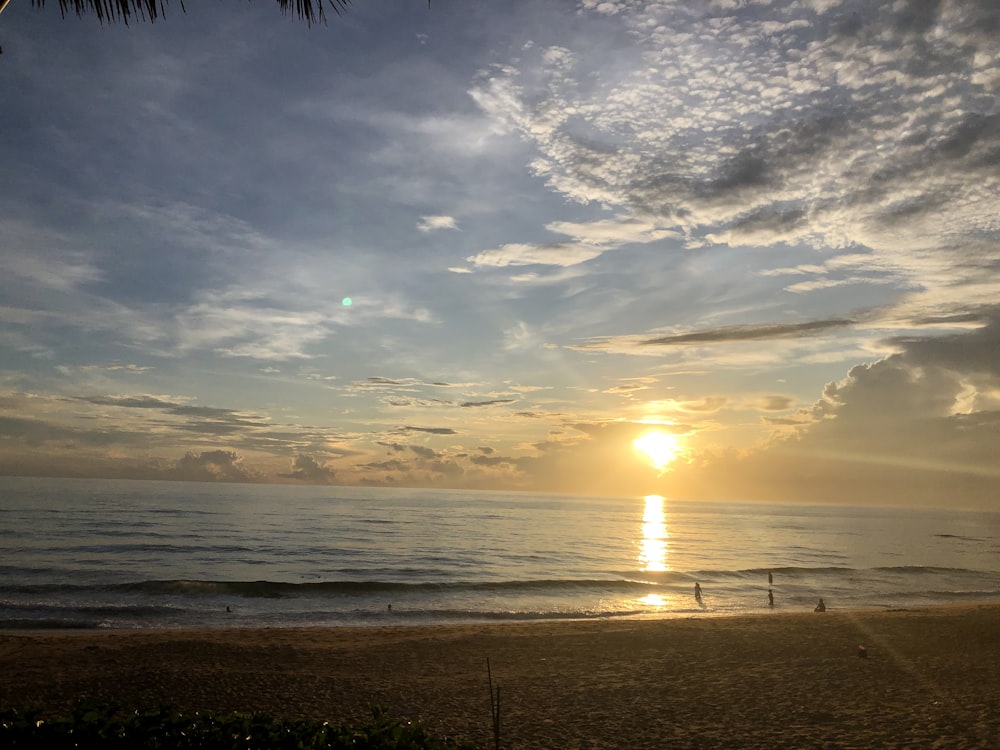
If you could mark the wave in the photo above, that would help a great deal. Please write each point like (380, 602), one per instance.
(78, 619)
(279, 589)
(43, 624)
(625, 584)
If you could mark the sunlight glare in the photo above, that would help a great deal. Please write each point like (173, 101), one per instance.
(660, 447)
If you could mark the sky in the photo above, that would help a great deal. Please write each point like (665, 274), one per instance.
(491, 245)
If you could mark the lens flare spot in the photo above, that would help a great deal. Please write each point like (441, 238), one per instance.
(347, 302)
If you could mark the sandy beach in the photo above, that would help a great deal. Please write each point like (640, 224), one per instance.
(777, 680)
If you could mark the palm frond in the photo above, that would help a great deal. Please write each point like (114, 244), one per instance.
(111, 11)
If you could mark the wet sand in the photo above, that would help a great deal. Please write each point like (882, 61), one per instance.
(786, 680)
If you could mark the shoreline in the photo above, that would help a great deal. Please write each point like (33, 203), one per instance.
(776, 679)
(29, 628)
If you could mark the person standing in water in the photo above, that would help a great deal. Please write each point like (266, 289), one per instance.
(697, 591)
(770, 598)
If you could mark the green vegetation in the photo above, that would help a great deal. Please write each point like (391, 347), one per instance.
(103, 728)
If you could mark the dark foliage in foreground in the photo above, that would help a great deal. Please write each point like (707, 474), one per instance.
(110, 11)
(90, 728)
(312, 11)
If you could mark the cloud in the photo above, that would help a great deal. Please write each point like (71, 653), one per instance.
(491, 402)
(723, 335)
(523, 254)
(750, 332)
(72, 270)
(250, 328)
(212, 466)
(403, 384)
(307, 469)
(38, 432)
(432, 223)
(838, 125)
(154, 402)
(774, 403)
(430, 430)
(916, 427)
(589, 240)
(627, 389)
(118, 367)
(493, 461)
(706, 405)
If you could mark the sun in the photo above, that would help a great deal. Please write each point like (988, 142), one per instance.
(660, 447)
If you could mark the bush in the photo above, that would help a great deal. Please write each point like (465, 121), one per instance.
(106, 728)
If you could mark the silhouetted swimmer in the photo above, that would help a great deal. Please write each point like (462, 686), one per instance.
(697, 591)
(228, 609)
(770, 578)
(389, 608)
(821, 607)
(770, 598)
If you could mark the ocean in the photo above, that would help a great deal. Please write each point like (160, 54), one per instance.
(131, 555)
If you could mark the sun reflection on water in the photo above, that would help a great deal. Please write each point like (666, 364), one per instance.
(653, 544)
(654, 600)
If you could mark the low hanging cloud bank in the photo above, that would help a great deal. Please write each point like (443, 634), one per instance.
(917, 427)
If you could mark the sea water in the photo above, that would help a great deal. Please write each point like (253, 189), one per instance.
(129, 554)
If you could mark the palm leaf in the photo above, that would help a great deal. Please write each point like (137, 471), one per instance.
(311, 11)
